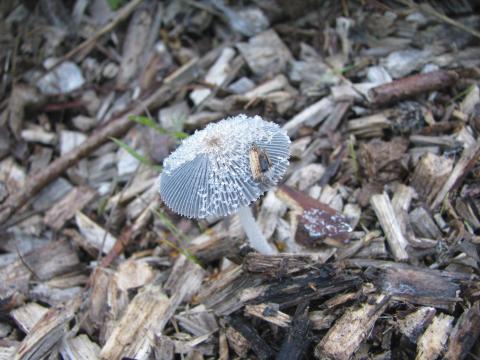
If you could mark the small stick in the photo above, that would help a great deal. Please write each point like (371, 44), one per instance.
(388, 220)
(412, 85)
(464, 333)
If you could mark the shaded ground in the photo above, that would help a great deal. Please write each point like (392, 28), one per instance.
(376, 221)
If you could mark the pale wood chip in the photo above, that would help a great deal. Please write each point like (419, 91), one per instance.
(432, 342)
(66, 208)
(348, 332)
(386, 216)
(28, 315)
(80, 348)
(47, 332)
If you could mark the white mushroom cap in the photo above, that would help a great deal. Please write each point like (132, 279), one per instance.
(210, 173)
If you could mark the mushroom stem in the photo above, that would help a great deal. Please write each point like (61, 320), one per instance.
(255, 236)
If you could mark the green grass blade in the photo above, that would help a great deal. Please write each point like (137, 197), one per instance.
(142, 159)
(353, 156)
(115, 4)
(146, 121)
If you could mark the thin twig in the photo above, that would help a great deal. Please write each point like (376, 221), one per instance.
(24, 262)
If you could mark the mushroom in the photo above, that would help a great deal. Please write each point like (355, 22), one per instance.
(223, 168)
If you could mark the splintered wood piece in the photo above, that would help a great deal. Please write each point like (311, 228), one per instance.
(386, 216)
(95, 236)
(419, 286)
(295, 290)
(80, 348)
(251, 335)
(55, 258)
(317, 221)
(375, 248)
(464, 334)
(432, 342)
(286, 292)
(135, 43)
(8, 349)
(321, 320)
(164, 348)
(423, 224)
(142, 202)
(277, 266)
(139, 185)
(464, 165)
(101, 305)
(355, 246)
(401, 203)
(382, 160)
(430, 174)
(28, 315)
(215, 76)
(277, 83)
(54, 296)
(467, 106)
(221, 281)
(66, 208)
(269, 313)
(467, 209)
(265, 53)
(198, 321)
(133, 335)
(340, 299)
(237, 342)
(385, 265)
(311, 116)
(38, 134)
(47, 332)
(336, 116)
(296, 342)
(219, 241)
(305, 173)
(348, 332)
(150, 311)
(184, 281)
(230, 292)
(223, 353)
(369, 126)
(212, 246)
(134, 274)
(194, 345)
(413, 325)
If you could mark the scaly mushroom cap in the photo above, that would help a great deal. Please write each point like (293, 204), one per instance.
(225, 166)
